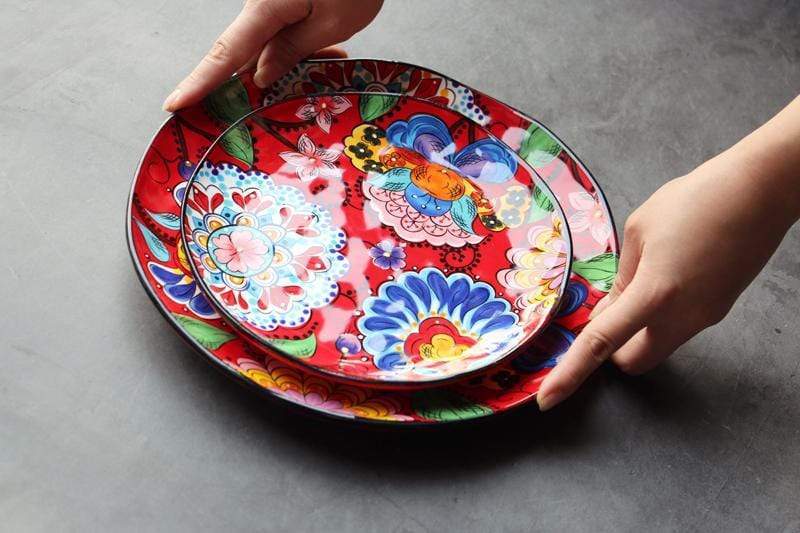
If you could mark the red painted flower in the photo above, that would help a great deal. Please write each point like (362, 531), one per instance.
(437, 339)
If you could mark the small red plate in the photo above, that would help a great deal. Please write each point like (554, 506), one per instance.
(326, 227)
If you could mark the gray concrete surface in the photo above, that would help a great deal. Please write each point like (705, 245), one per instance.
(108, 422)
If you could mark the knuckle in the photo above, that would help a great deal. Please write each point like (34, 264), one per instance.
(599, 346)
(661, 293)
(220, 52)
(632, 224)
(289, 52)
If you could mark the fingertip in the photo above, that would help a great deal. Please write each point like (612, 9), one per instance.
(330, 52)
(171, 103)
(260, 79)
(548, 401)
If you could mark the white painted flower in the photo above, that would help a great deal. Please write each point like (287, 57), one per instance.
(312, 161)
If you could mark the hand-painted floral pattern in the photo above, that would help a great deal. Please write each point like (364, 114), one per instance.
(538, 270)
(312, 161)
(180, 286)
(348, 344)
(240, 251)
(388, 256)
(263, 247)
(589, 215)
(378, 76)
(321, 395)
(323, 109)
(513, 206)
(423, 186)
(426, 318)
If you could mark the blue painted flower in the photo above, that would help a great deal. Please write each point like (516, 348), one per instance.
(511, 217)
(545, 351)
(183, 289)
(387, 256)
(348, 344)
(185, 169)
(517, 196)
(424, 318)
(574, 296)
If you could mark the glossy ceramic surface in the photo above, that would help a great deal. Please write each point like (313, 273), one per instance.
(154, 237)
(373, 244)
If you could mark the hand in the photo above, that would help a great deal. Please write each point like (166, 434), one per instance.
(688, 252)
(273, 35)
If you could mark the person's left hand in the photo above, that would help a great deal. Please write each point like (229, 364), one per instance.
(689, 251)
(273, 35)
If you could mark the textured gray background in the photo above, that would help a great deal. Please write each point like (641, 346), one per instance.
(109, 422)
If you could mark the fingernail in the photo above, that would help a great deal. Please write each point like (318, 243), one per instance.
(170, 101)
(548, 401)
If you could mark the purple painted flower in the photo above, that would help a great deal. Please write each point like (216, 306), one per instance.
(387, 256)
(348, 344)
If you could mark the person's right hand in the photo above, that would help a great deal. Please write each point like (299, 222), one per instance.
(273, 35)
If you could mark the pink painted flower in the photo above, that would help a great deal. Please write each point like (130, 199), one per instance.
(323, 108)
(312, 161)
(239, 251)
(589, 215)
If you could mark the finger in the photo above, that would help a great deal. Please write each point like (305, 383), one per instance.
(258, 22)
(251, 63)
(603, 336)
(285, 50)
(628, 262)
(651, 346)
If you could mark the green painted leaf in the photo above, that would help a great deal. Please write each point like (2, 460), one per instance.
(168, 220)
(541, 205)
(396, 179)
(599, 270)
(538, 148)
(543, 200)
(299, 348)
(208, 336)
(373, 106)
(463, 212)
(157, 247)
(237, 143)
(446, 406)
(229, 102)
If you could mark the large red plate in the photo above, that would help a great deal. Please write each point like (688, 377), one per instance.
(153, 231)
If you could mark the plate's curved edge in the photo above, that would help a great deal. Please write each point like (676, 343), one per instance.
(393, 386)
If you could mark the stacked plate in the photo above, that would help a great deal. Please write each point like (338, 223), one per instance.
(371, 240)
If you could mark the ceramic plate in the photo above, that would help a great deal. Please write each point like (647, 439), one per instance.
(327, 240)
(153, 224)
